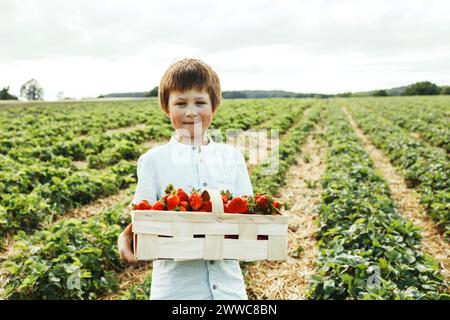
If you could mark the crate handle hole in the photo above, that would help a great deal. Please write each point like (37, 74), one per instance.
(231, 236)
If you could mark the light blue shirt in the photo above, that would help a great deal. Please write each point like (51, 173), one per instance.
(217, 166)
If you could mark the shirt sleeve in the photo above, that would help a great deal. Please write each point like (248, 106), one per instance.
(243, 185)
(146, 188)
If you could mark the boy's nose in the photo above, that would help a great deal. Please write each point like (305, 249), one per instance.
(190, 112)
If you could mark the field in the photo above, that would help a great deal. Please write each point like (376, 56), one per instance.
(366, 182)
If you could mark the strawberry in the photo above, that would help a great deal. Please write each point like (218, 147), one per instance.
(182, 195)
(257, 195)
(172, 201)
(195, 201)
(225, 208)
(262, 201)
(226, 195)
(158, 205)
(164, 198)
(276, 204)
(143, 205)
(237, 205)
(182, 208)
(224, 198)
(184, 204)
(206, 206)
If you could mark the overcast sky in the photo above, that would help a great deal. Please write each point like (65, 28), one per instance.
(85, 48)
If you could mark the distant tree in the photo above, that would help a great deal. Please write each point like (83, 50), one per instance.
(344, 95)
(152, 93)
(422, 88)
(60, 95)
(5, 95)
(445, 90)
(380, 93)
(234, 95)
(32, 90)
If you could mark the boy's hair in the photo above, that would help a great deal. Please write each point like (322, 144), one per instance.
(189, 74)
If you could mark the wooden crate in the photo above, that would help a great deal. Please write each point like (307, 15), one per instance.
(180, 236)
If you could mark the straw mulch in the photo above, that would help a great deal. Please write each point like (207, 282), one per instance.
(290, 279)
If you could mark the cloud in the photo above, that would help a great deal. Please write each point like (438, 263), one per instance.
(293, 45)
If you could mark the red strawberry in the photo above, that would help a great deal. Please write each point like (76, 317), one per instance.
(225, 208)
(226, 195)
(158, 205)
(262, 201)
(195, 201)
(224, 198)
(182, 195)
(206, 206)
(257, 195)
(182, 208)
(164, 199)
(172, 201)
(237, 205)
(184, 204)
(276, 204)
(143, 205)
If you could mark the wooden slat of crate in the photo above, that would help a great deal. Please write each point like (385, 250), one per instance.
(153, 227)
(275, 229)
(246, 250)
(213, 247)
(169, 228)
(152, 247)
(247, 231)
(155, 215)
(277, 248)
(181, 248)
(147, 247)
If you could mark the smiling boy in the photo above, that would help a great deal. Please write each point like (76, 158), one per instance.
(189, 94)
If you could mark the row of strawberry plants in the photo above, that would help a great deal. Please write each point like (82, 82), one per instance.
(402, 115)
(80, 148)
(270, 175)
(282, 124)
(367, 251)
(72, 259)
(53, 124)
(30, 211)
(421, 165)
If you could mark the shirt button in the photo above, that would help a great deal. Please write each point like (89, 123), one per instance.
(214, 287)
(211, 262)
(205, 184)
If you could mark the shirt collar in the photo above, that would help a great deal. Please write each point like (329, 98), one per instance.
(173, 141)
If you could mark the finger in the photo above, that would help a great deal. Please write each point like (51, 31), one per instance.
(129, 257)
(129, 229)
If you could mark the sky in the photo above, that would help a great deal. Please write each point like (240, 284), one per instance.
(85, 48)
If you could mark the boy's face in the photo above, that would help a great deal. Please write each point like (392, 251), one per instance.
(190, 112)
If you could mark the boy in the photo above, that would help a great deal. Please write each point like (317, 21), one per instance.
(190, 93)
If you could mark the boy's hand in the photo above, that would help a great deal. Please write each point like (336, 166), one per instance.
(125, 246)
